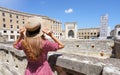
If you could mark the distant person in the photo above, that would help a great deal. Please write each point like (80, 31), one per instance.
(36, 46)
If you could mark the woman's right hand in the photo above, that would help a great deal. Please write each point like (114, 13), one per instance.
(22, 30)
(47, 31)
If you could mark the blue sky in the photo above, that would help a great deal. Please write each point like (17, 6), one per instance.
(85, 12)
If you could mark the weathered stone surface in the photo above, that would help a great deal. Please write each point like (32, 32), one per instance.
(89, 47)
(111, 70)
(81, 64)
(10, 48)
(87, 65)
(7, 69)
(78, 64)
(14, 58)
(117, 49)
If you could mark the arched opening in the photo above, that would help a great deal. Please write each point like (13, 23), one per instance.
(118, 33)
(71, 34)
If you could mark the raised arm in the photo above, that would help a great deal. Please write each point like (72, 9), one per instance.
(57, 41)
(50, 33)
(19, 38)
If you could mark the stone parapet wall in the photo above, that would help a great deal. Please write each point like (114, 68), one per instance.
(82, 65)
(90, 47)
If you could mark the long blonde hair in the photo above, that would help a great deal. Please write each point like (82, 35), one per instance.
(32, 47)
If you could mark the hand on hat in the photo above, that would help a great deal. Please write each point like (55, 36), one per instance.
(21, 32)
(47, 31)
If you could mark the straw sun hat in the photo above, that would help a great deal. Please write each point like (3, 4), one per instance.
(33, 24)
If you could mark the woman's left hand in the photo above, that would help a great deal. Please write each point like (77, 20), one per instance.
(47, 31)
(22, 30)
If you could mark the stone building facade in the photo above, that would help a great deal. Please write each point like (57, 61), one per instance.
(70, 30)
(11, 21)
(115, 33)
(88, 33)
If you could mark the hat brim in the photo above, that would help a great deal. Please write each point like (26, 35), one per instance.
(34, 33)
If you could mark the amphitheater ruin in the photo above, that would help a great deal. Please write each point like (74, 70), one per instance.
(79, 57)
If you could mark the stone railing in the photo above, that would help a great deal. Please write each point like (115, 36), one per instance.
(13, 62)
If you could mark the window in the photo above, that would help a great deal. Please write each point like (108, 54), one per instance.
(60, 34)
(94, 33)
(92, 46)
(16, 16)
(91, 33)
(11, 26)
(17, 36)
(10, 20)
(5, 31)
(17, 27)
(3, 14)
(17, 21)
(17, 31)
(119, 33)
(4, 25)
(88, 32)
(77, 45)
(10, 15)
(3, 19)
(11, 36)
(23, 22)
(11, 31)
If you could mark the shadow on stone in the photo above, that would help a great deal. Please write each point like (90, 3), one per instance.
(52, 59)
(113, 52)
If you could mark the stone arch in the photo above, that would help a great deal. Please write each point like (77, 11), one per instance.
(118, 33)
(71, 34)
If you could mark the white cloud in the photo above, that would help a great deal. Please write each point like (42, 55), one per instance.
(70, 10)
